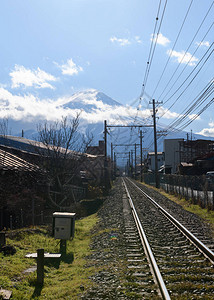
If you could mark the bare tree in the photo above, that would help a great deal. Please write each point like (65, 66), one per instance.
(62, 148)
(4, 127)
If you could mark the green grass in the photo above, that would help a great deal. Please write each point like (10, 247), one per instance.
(63, 281)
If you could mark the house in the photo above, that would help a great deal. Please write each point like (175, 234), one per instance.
(97, 150)
(151, 160)
(193, 157)
(21, 183)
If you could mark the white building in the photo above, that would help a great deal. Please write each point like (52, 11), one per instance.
(172, 155)
(151, 160)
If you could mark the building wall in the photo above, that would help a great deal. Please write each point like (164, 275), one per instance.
(97, 150)
(151, 160)
(172, 155)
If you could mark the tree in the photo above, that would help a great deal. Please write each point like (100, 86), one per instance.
(4, 127)
(62, 148)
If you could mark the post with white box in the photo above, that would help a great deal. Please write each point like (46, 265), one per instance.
(63, 228)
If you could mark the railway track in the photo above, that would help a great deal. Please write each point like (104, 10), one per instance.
(165, 260)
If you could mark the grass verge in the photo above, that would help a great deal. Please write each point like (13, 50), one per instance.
(62, 281)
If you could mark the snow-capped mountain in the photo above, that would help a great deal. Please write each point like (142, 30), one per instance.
(94, 107)
(88, 101)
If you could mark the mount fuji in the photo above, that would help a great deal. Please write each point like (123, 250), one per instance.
(94, 107)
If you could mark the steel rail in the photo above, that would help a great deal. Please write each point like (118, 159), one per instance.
(192, 238)
(147, 249)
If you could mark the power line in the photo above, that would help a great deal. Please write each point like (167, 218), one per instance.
(151, 53)
(188, 78)
(182, 25)
(176, 80)
(202, 97)
(151, 50)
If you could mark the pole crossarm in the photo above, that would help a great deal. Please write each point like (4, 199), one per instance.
(122, 152)
(133, 126)
(125, 145)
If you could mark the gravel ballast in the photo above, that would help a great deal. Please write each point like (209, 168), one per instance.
(109, 248)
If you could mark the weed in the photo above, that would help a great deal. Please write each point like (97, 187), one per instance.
(62, 281)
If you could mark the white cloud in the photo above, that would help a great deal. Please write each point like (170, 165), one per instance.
(194, 116)
(211, 124)
(38, 78)
(184, 58)
(201, 44)
(167, 114)
(207, 132)
(70, 68)
(161, 40)
(121, 42)
(126, 41)
(27, 107)
(32, 109)
(138, 40)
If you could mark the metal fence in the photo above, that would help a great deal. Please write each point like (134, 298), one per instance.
(198, 189)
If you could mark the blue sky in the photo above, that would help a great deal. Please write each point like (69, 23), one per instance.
(52, 49)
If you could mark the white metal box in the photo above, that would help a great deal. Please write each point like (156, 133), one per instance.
(63, 225)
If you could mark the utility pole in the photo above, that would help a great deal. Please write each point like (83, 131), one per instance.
(131, 126)
(141, 156)
(112, 162)
(105, 138)
(111, 152)
(135, 161)
(115, 166)
(106, 175)
(155, 144)
(132, 163)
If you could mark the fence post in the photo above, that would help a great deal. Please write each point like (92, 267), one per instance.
(191, 184)
(167, 187)
(197, 197)
(63, 247)
(40, 266)
(213, 199)
(187, 190)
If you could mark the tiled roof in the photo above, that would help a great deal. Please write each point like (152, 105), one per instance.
(10, 161)
(32, 146)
